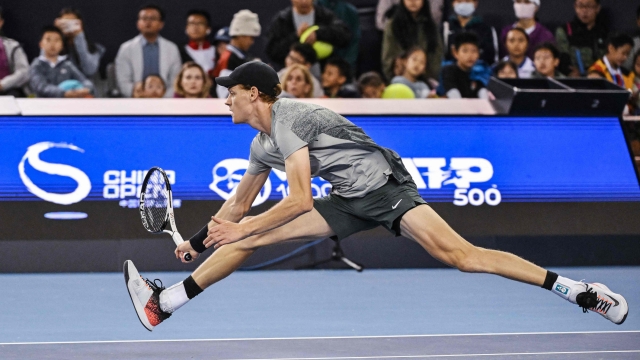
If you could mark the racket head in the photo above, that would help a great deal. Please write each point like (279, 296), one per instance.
(155, 200)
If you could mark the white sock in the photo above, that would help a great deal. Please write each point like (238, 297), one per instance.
(172, 299)
(568, 289)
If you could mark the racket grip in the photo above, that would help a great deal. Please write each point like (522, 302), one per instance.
(187, 257)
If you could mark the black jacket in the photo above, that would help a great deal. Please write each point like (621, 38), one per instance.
(283, 33)
(476, 25)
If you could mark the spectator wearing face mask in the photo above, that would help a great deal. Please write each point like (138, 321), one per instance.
(525, 11)
(464, 19)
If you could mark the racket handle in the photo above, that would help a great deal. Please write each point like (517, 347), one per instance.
(187, 257)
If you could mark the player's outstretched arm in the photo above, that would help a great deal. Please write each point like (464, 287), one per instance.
(239, 204)
(297, 203)
(233, 210)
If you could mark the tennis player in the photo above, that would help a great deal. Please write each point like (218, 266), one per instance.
(371, 188)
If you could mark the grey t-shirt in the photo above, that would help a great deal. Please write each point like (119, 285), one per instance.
(420, 88)
(299, 19)
(339, 151)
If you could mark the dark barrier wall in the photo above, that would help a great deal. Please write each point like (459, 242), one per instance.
(113, 22)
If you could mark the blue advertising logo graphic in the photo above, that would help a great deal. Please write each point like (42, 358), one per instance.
(467, 161)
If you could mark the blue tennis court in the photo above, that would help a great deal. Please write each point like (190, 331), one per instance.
(377, 314)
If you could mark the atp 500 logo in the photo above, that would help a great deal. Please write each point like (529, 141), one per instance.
(460, 172)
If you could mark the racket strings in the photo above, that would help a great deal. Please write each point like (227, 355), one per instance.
(156, 202)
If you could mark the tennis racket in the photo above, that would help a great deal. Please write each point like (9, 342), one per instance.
(156, 206)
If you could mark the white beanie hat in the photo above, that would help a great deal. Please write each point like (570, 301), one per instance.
(245, 23)
(537, 2)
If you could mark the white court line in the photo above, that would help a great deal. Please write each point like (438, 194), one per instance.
(451, 355)
(317, 338)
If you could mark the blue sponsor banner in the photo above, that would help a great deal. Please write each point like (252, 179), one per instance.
(464, 160)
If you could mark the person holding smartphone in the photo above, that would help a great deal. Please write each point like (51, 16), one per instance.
(83, 53)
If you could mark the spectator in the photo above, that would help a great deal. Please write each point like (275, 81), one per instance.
(53, 75)
(371, 85)
(636, 84)
(546, 59)
(305, 55)
(636, 41)
(221, 40)
(14, 66)
(192, 82)
(517, 42)
(456, 78)
(82, 52)
(464, 20)
(151, 87)
(411, 25)
(287, 26)
(610, 66)
(584, 39)
(349, 15)
(386, 8)
(297, 82)
(147, 53)
(526, 13)
(506, 70)
(335, 77)
(244, 28)
(198, 49)
(415, 60)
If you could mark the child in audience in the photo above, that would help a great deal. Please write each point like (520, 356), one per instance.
(192, 82)
(297, 81)
(335, 76)
(546, 59)
(151, 87)
(505, 70)
(50, 70)
(517, 43)
(456, 78)
(415, 61)
(610, 66)
(371, 85)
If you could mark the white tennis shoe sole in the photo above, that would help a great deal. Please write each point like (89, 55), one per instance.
(139, 292)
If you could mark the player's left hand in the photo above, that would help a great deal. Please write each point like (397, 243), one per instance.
(225, 232)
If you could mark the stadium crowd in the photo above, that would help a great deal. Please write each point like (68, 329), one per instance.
(314, 45)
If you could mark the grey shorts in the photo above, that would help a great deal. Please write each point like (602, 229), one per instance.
(382, 207)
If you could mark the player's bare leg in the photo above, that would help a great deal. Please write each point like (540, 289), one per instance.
(423, 225)
(153, 303)
(228, 258)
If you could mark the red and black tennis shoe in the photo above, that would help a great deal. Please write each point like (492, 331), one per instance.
(145, 296)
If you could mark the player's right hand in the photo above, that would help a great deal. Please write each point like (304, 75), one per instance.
(184, 248)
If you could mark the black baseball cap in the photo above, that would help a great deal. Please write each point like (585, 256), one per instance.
(254, 73)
